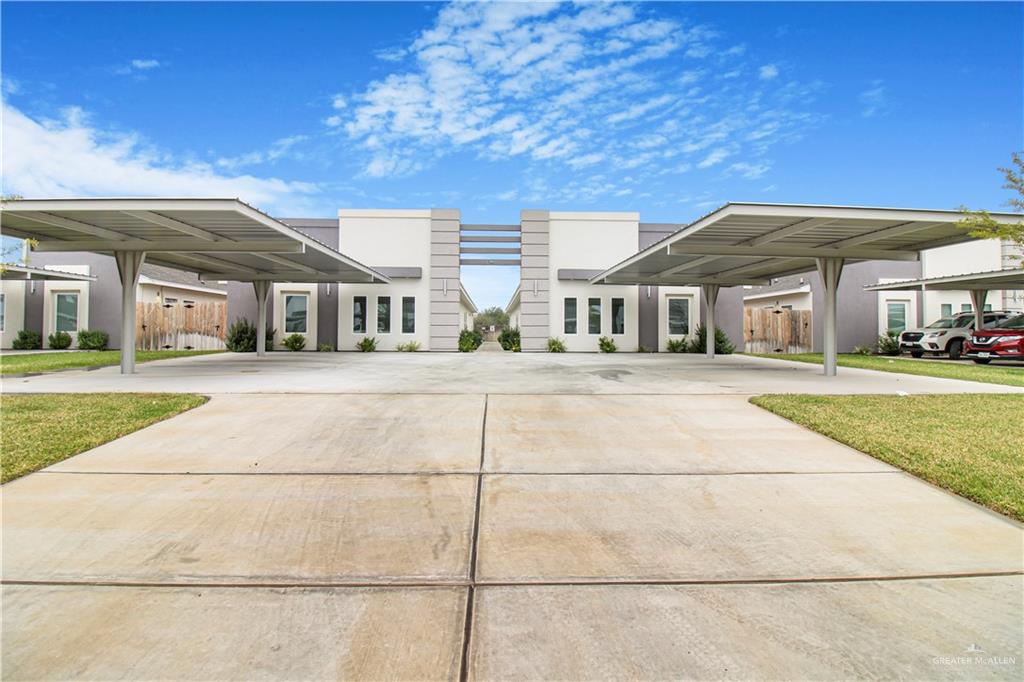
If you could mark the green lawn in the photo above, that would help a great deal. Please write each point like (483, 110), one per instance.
(970, 444)
(50, 362)
(39, 430)
(988, 374)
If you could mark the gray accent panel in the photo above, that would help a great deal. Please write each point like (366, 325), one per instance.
(410, 272)
(534, 324)
(444, 265)
(647, 306)
(576, 275)
(857, 319)
(647, 317)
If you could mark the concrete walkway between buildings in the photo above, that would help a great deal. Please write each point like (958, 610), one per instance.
(554, 534)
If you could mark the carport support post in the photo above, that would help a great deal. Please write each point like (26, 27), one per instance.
(710, 298)
(830, 269)
(978, 297)
(262, 287)
(129, 263)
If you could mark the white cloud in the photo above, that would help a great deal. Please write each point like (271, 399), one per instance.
(715, 157)
(338, 102)
(136, 66)
(509, 195)
(277, 150)
(873, 100)
(750, 171)
(570, 86)
(396, 54)
(69, 157)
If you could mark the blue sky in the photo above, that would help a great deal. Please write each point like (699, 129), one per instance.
(669, 109)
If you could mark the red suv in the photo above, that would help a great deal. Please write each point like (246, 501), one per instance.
(1003, 341)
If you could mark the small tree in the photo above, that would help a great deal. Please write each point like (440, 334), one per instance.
(493, 315)
(981, 224)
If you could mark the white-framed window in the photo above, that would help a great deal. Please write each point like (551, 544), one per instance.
(618, 316)
(569, 316)
(408, 314)
(593, 315)
(966, 308)
(358, 314)
(3, 312)
(896, 316)
(946, 310)
(66, 312)
(296, 313)
(678, 316)
(383, 314)
(188, 304)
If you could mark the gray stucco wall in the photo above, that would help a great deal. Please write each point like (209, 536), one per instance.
(857, 321)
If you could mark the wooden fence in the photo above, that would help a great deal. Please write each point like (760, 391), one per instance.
(769, 330)
(199, 326)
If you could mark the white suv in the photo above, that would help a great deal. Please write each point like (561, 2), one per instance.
(946, 335)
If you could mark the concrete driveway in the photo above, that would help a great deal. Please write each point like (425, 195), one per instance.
(499, 536)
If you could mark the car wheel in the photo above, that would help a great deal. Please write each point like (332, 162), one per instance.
(981, 361)
(955, 349)
(917, 353)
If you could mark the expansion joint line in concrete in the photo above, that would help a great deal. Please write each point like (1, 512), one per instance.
(471, 589)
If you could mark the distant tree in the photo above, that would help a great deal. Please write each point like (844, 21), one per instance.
(12, 249)
(489, 316)
(981, 224)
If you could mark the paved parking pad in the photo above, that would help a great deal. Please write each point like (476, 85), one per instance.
(922, 629)
(642, 528)
(303, 433)
(105, 633)
(654, 434)
(238, 529)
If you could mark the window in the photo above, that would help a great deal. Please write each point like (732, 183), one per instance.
(295, 313)
(966, 308)
(987, 308)
(569, 314)
(169, 300)
(896, 316)
(67, 313)
(359, 314)
(594, 315)
(618, 316)
(678, 316)
(3, 311)
(188, 304)
(946, 310)
(408, 315)
(383, 314)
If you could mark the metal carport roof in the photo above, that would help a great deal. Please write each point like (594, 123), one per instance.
(977, 283)
(16, 271)
(220, 239)
(751, 243)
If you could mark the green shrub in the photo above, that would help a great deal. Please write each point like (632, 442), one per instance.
(409, 347)
(606, 345)
(469, 340)
(723, 346)
(677, 346)
(863, 350)
(295, 342)
(509, 339)
(28, 340)
(556, 346)
(643, 349)
(889, 343)
(93, 340)
(241, 337)
(325, 348)
(59, 340)
(368, 344)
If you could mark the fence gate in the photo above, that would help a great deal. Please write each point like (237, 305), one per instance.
(776, 330)
(193, 326)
